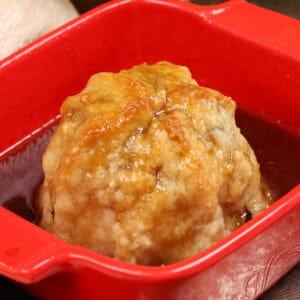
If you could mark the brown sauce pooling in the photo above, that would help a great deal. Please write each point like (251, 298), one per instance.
(277, 152)
(21, 174)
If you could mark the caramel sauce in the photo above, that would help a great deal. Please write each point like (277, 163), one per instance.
(277, 152)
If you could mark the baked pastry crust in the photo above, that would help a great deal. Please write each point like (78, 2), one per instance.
(148, 167)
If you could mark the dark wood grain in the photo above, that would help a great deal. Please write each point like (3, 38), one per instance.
(287, 288)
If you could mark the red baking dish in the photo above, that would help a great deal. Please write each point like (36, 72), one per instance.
(244, 51)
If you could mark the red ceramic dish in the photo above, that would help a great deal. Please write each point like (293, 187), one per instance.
(244, 51)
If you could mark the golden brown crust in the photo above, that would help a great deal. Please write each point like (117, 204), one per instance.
(148, 167)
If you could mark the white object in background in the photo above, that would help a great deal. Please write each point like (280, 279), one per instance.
(22, 21)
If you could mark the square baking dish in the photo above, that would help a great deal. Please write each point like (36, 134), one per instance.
(246, 52)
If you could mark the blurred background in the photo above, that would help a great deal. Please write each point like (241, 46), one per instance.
(17, 28)
(288, 7)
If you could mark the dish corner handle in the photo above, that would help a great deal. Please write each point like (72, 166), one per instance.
(260, 25)
(27, 253)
